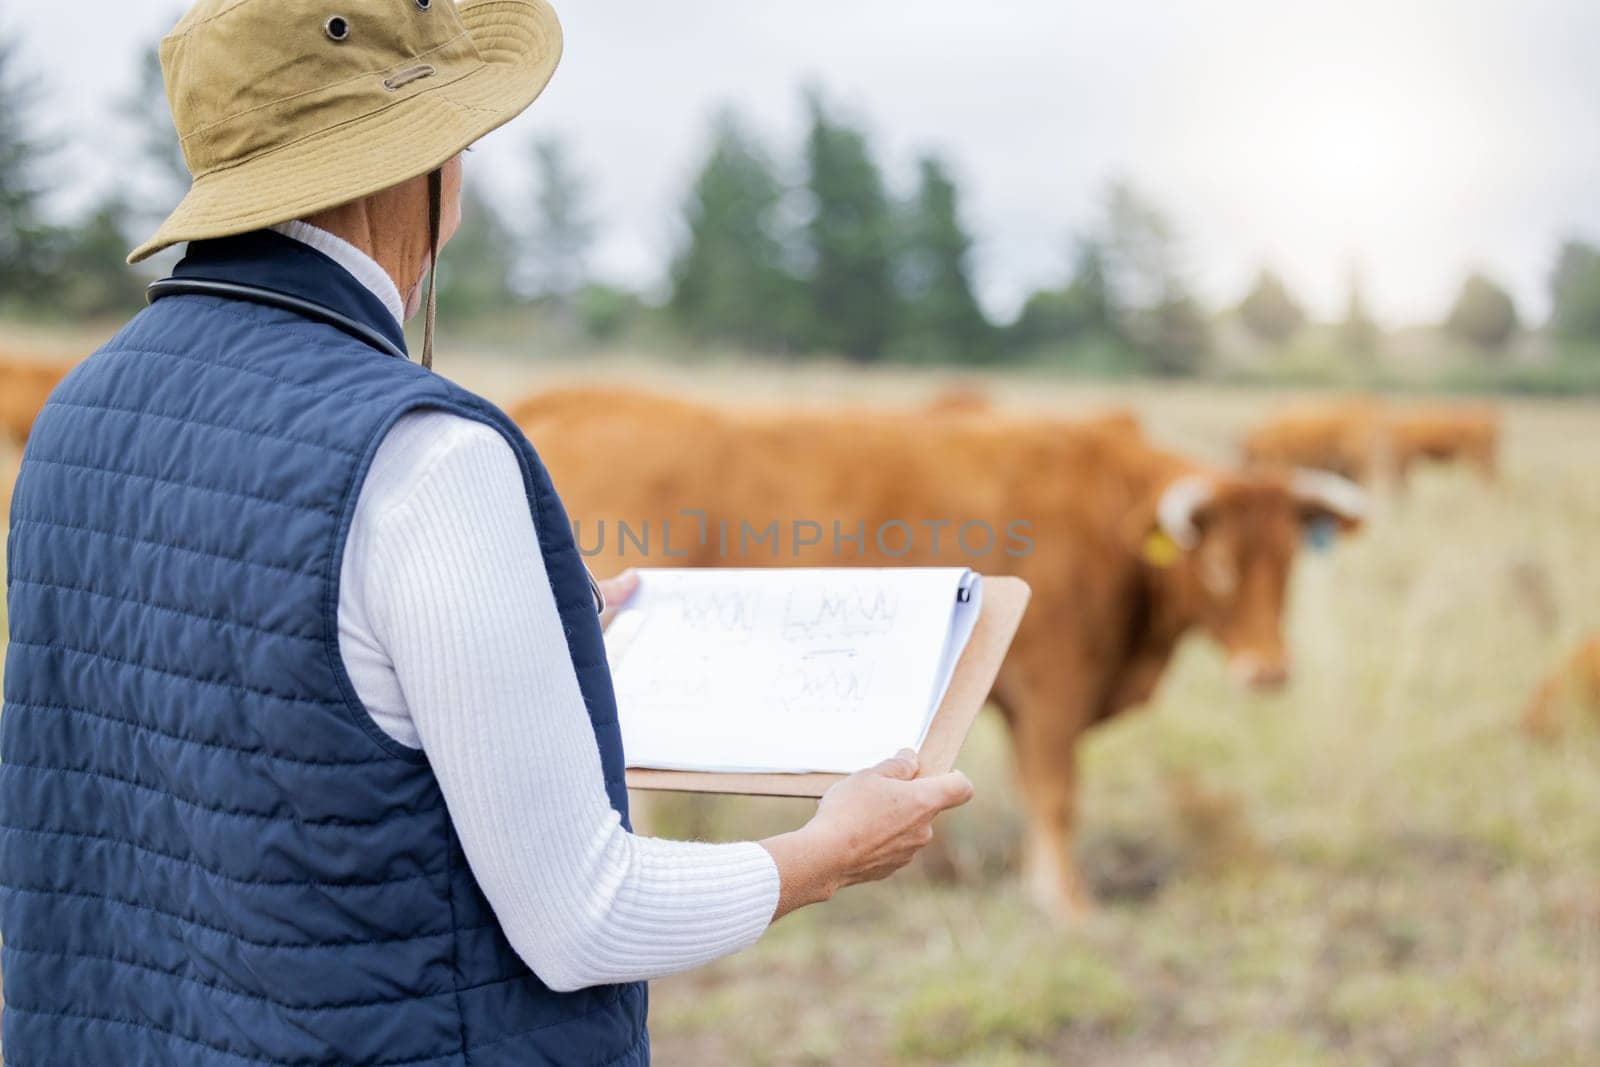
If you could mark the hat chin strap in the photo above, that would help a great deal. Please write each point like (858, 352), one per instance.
(435, 211)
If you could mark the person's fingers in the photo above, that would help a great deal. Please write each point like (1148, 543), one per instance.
(902, 765)
(617, 592)
(947, 790)
(620, 589)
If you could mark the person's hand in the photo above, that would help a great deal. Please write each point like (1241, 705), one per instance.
(866, 827)
(617, 591)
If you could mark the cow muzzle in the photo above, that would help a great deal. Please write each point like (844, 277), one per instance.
(1259, 673)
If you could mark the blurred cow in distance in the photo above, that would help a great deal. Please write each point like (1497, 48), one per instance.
(1131, 547)
(25, 384)
(1367, 441)
(1443, 435)
(1575, 683)
(1345, 438)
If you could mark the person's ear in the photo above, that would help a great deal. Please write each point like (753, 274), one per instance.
(450, 208)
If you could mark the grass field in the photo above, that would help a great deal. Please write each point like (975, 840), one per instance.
(1373, 867)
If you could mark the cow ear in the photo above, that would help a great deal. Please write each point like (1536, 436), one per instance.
(1323, 526)
(1327, 504)
(1174, 522)
(1186, 507)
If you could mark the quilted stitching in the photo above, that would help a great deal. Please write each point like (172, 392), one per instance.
(186, 776)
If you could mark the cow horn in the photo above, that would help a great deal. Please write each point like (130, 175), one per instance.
(1339, 495)
(1179, 503)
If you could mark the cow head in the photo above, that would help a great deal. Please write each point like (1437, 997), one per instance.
(1222, 546)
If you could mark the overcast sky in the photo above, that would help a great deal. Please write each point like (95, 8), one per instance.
(1416, 138)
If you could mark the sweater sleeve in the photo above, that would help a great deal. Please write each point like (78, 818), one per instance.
(458, 602)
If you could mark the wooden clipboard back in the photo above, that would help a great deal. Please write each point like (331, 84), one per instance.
(1004, 601)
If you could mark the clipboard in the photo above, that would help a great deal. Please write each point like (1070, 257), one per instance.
(1004, 601)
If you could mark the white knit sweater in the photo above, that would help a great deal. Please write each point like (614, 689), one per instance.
(449, 631)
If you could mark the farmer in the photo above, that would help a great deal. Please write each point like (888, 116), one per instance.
(310, 749)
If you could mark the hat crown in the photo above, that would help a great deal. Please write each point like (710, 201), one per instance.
(283, 116)
(244, 77)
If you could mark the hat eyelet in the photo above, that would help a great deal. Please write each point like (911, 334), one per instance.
(337, 28)
(424, 5)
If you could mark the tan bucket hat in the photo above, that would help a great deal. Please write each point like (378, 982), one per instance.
(287, 107)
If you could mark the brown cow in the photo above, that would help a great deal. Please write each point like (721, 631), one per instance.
(1361, 439)
(1575, 681)
(967, 398)
(1445, 435)
(24, 387)
(963, 398)
(1346, 438)
(1126, 547)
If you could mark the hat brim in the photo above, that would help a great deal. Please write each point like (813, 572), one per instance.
(520, 44)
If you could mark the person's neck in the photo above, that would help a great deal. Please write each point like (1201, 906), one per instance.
(357, 263)
(386, 232)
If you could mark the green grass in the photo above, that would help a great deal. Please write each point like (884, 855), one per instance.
(1023, 1008)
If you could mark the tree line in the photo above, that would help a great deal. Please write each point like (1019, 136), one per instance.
(810, 251)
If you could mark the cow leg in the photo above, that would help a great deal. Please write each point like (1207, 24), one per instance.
(1045, 724)
(1487, 467)
(1049, 874)
(1402, 473)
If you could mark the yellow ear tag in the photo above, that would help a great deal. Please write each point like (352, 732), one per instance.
(1160, 550)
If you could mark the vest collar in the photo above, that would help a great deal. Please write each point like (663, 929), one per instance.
(267, 260)
(363, 267)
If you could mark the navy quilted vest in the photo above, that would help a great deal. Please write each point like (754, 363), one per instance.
(210, 855)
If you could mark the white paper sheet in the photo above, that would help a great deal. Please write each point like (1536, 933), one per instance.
(771, 670)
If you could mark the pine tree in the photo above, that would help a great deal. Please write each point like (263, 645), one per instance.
(475, 268)
(159, 177)
(943, 321)
(1080, 311)
(95, 278)
(1484, 314)
(854, 308)
(1156, 313)
(562, 232)
(1575, 292)
(1270, 311)
(1174, 335)
(27, 242)
(1358, 332)
(1090, 287)
(729, 277)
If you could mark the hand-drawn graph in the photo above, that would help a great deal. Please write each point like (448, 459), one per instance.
(727, 614)
(832, 611)
(775, 670)
(831, 681)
